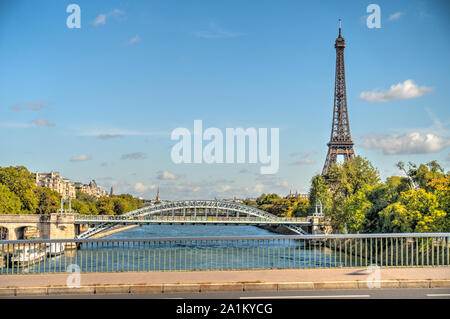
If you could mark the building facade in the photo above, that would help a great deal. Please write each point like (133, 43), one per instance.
(54, 181)
(90, 189)
(65, 187)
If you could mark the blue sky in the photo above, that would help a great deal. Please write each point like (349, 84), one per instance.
(100, 102)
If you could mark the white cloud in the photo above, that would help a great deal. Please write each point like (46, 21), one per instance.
(102, 17)
(141, 188)
(406, 90)
(133, 40)
(133, 156)
(258, 189)
(304, 158)
(42, 122)
(304, 162)
(223, 188)
(81, 158)
(395, 16)
(36, 106)
(408, 143)
(108, 136)
(165, 175)
(115, 133)
(303, 154)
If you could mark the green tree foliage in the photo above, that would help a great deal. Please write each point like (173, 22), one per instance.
(266, 201)
(85, 197)
(21, 182)
(20, 195)
(351, 215)
(250, 202)
(320, 191)
(419, 202)
(117, 205)
(348, 182)
(350, 177)
(281, 207)
(417, 211)
(301, 208)
(48, 200)
(9, 202)
(380, 196)
(105, 206)
(84, 207)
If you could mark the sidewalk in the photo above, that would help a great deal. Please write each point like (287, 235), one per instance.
(277, 279)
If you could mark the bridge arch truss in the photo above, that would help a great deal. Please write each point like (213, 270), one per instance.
(193, 207)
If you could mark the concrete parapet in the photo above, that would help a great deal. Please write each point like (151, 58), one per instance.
(295, 286)
(414, 283)
(157, 289)
(336, 285)
(70, 291)
(170, 288)
(440, 283)
(103, 290)
(7, 291)
(257, 286)
(31, 291)
(221, 287)
(363, 284)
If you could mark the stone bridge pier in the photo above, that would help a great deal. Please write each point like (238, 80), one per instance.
(319, 226)
(52, 226)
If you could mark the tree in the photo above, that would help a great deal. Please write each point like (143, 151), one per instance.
(420, 176)
(350, 177)
(320, 191)
(352, 214)
(9, 202)
(250, 202)
(48, 200)
(301, 208)
(347, 184)
(21, 182)
(380, 196)
(282, 207)
(267, 199)
(85, 197)
(441, 188)
(105, 206)
(80, 207)
(416, 211)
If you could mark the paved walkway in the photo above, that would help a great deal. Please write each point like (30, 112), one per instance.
(200, 277)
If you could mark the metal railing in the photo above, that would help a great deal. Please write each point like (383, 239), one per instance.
(225, 253)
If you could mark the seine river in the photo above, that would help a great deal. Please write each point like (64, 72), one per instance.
(159, 231)
(185, 255)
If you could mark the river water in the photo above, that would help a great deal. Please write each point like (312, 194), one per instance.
(160, 231)
(186, 255)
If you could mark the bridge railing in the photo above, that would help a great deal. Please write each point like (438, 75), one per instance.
(202, 218)
(224, 253)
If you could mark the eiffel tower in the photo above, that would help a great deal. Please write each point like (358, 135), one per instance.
(340, 141)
